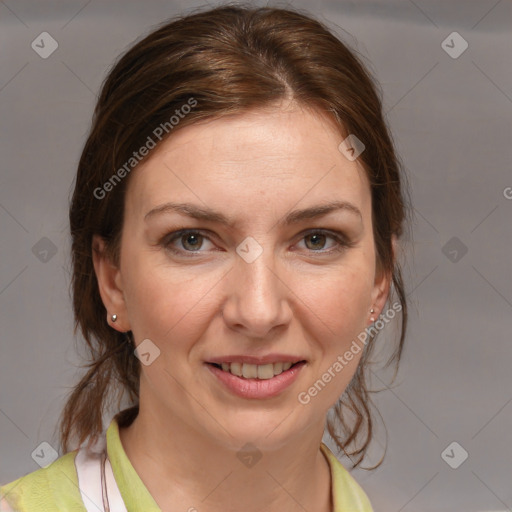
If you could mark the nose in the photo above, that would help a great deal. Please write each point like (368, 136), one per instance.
(257, 297)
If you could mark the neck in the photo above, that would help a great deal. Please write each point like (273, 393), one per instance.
(209, 477)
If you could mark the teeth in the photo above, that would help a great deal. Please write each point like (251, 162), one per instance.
(254, 371)
(250, 371)
(265, 371)
(236, 369)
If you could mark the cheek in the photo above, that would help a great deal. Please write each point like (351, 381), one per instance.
(164, 303)
(338, 299)
(337, 316)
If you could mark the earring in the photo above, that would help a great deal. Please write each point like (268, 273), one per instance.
(372, 318)
(114, 318)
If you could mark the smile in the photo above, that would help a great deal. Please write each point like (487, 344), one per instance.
(255, 371)
(253, 381)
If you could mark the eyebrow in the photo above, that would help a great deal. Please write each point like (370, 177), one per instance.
(294, 217)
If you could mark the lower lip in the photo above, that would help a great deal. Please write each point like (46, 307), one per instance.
(257, 388)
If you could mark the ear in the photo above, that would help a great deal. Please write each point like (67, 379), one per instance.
(382, 286)
(110, 286)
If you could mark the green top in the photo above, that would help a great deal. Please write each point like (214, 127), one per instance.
(56, 486)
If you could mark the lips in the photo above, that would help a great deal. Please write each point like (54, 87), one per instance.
(254, 371)
(256, 385)
(258, 360)
(254, 367)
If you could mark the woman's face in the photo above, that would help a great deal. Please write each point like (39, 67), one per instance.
(278, 266)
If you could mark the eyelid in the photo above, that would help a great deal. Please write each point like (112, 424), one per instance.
(339, 237)
(167, 240)
(343, 241)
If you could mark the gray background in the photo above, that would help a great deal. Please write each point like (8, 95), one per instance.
(451, 119)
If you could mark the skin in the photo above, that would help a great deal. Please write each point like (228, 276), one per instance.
(299, 297)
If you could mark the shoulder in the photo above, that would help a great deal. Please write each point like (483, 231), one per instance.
(54, 487)
(347, 493)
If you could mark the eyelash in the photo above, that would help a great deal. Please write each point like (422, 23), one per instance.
(343, 243)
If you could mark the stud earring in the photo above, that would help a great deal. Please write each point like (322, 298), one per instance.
(114, 318)
(372, 318)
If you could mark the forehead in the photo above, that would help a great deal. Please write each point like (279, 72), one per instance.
(267, 157)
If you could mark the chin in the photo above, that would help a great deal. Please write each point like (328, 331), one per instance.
(267, 430)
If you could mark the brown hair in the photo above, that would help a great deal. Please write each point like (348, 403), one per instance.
(229, 59)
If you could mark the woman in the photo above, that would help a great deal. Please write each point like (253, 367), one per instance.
(234, 223)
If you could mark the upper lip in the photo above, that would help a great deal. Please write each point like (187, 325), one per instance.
(258, 360)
